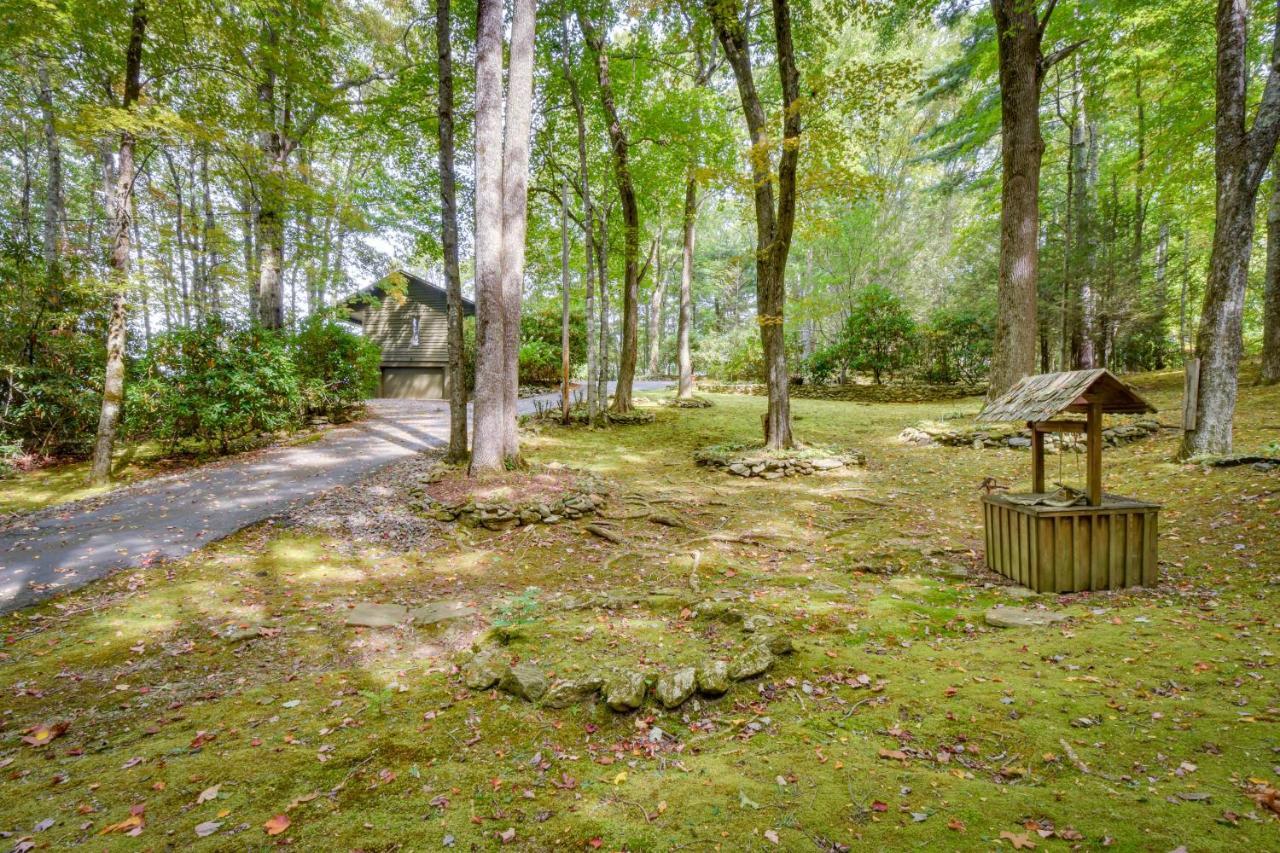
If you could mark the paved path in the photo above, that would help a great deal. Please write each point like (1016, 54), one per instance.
(170, 516)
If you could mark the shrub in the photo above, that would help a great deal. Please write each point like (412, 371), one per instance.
(957, 346)
(214, 384)
(337, 368)
(540, 343)
(878, 336)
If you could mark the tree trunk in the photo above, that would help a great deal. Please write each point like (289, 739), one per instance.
(121, 214)
(654, 325)
(564, 300)
(1271, 286)
(180, 237)
(212, 259)
(1241, 159)
(270, 212)
(515, 205)
(488, 436)
(1087, 256)
(457, 379)
(1160, 309)
(602, 267)
(630, 218)
(1021, 147)
(588, 219)
(774, 226)
(684, 358)
(55, 226)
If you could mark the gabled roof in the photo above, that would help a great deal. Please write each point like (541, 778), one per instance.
(1040, 397)
(379, 290)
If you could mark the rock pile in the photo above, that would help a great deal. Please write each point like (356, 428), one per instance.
(893, 392)
(690, 403)
(742, 461)
(624, 689)
(929, 435)
(504, 515)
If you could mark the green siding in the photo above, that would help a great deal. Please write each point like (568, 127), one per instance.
(391, 325)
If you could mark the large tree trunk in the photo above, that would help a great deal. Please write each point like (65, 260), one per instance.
(1160, 308)
(1271, 286)
(602, 274)
(121, 214)
(270, 212)
(1241, 160)
(457, 379)
(1019, 35)
(774, 226)
(488, 436)
(515, 204)
(588, 219)
(1087, 256)
(630, 218)
(684, 358)
(564, 300)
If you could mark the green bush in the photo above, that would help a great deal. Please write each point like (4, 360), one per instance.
(337, 368)
(957, 346)
(214, 384)
(540, 358)
(878, 337)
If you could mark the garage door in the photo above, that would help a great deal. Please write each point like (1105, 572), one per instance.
(413, 383)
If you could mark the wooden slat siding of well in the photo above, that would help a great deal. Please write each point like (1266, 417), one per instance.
(1024, 549)
(1083, 552)
(1116, 550)
(987, 512)
(1150, 559)
(1048, 548)
(1099, 574)
(1133, 549)
(1015, 545)
(1062, 573)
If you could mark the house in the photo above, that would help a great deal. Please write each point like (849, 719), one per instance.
(410, 324)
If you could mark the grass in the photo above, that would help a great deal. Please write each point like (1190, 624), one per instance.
(367, 739)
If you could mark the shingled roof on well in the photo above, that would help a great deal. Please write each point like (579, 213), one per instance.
(1041, 397)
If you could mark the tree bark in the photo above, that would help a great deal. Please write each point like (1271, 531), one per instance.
(564, 301)
(1019, 35)
(602, 274)
(121, 215)
(653, 330)
(457, 378)
(588, 219)
(55, 226)
(684, 359)
(1270, 374)
(1160, 310)
(1241, 159)
(774, 226)
(270, 212)
(515, 204)
(488, 436)
(620, 148)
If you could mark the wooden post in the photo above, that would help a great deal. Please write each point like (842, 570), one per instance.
(1037, 459)
(1094, 449)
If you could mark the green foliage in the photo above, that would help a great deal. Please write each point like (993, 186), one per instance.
(956, 345)
(735, 355)
(878, 336)
(337, 368)
(540, 357)
(214, 384)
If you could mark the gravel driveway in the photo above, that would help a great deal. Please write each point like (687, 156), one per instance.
(55, 550)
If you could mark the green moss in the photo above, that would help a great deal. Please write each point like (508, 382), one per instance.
(1170, 678)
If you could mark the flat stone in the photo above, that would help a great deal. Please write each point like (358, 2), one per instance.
(564, 692)
(1022, 617)
(739, 469)
(1020, 593)
(483, 671)
(779, 644)
(1018, 441)
(826, 464)
(756, 659)
(713, 678)
(369, 615)
(624, 691)
(754, 623)
(525, 681)
(441, 611)
(674, 688)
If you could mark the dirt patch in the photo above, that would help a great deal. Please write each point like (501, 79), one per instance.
(545, 484)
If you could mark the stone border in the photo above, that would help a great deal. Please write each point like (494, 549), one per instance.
(504, 515)
(743, 461)
(979, 438)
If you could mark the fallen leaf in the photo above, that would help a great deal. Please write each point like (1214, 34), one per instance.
(277, 824)
(955, 824)
(1019, 842)
(893, 754)
(209, 794)
(131, 825)
(508, 835)
(209, 827)
(41, 734)
(771, 835)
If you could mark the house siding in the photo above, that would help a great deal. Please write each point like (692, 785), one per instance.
(391, 326)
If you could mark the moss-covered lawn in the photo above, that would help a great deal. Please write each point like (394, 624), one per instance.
(1144, 722)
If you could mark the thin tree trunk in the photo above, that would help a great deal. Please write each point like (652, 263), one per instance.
(180, 237)
(55, 226)
(515, 205)
(122, 209)
(1019, 36)
(630, 218)
(487, 441)
(1242, 155)
(209, 228)
(564, 300)
(684, 358)
(1161, 306)
(271, 189)
(457, 378)
(1183, 333)
(602, 266)
(1087, 216)
(654, 324)
(774, 226)
(1270, 374)
(588, 219)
